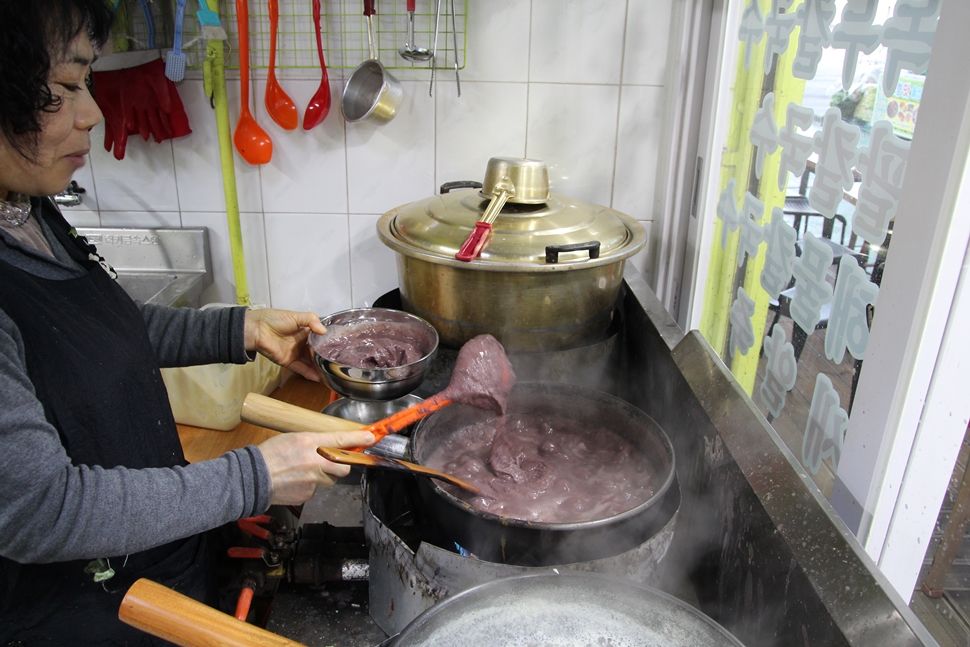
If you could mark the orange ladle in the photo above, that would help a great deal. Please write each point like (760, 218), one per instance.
(483, 377)
(251, 141)
(319, 106)
(278, 104)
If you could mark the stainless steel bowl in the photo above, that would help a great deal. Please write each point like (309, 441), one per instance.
(375, 384)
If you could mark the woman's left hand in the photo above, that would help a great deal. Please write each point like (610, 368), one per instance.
(281, 336)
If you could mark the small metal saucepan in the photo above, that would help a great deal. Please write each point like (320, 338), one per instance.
(372, 93)
(528, 543)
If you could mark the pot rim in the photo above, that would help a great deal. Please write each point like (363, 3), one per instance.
(654, 500)
(637, 241)
(571, 584)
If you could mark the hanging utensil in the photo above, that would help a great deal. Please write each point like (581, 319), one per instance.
(345, 457)
(175, 60)
(410, 51)
(251, 141)
(454, 37)
(319, 106)
(371, 93)
(149, 23)
(434, 47)
(278, 104)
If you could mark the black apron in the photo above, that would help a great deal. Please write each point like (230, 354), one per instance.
(93, 367)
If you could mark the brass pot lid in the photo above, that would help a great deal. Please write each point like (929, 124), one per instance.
(435, 228)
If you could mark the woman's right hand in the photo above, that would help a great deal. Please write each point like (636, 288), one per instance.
(295, 468)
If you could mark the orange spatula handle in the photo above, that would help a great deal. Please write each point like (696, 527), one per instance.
(403, 419)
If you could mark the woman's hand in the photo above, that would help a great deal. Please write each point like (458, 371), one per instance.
(281, 336)
(295, 468)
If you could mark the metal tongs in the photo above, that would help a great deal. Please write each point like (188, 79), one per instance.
(501, 192)
(434, 49)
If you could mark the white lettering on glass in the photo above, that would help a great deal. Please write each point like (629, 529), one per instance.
(778, 27)
(856, 35)
(780, 254)
(752, 233)
(727, 211)
(908, 35)
(825, 428)
(812, 290)
(837, 153)
(795, 148)
(781, 369)
(764, 133)
(815, 18)
(883, 165)
(847, 328)
(742, 329)
(752, 29)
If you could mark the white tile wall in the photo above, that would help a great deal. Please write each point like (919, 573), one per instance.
(576, 83)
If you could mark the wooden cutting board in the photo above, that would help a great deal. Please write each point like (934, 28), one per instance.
(200, 444)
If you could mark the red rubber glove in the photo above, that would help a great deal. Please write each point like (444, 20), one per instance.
(139, 100)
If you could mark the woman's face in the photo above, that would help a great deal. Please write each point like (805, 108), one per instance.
(65, 138)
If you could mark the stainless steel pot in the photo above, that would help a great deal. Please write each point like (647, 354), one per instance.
(506, 540)
(563, 608)
(548, 278)
(372, 93)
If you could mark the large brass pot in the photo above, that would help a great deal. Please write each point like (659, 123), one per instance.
(547, 278)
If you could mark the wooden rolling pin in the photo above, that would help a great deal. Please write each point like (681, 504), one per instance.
(280, 416)
(162, 612)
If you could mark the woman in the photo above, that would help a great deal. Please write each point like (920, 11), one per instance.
(94, 489)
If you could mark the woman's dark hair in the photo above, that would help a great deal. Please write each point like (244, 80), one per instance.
(33, 35)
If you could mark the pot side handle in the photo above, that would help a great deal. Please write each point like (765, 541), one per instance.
(553, 251)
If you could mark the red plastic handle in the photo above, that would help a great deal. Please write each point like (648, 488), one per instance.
(476, 241)
(369, 8)
(251, 525)
(411, 5)
(238, 552)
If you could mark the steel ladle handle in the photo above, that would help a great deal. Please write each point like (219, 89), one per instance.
(369, 11)
(472, 247)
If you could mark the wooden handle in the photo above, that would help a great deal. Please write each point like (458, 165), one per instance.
(367, 460)
(275, 414)
(161, 612)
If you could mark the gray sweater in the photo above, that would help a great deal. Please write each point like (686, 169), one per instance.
(51, 510)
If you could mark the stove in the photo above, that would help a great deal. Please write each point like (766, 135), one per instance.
(746, 538)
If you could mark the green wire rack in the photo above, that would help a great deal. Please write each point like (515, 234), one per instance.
(342, 22)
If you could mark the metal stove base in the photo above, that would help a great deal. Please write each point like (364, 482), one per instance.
(409, 574)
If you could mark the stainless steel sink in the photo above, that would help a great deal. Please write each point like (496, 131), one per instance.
(160, 266)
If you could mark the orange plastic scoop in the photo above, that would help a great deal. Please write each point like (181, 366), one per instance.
(482, 377)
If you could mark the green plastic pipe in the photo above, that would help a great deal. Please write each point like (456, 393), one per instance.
(215, 71)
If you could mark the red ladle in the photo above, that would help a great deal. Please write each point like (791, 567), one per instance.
(319, 106)
(278, 104)
(251, 141)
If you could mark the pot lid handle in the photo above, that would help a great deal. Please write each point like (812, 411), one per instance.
(448, 187)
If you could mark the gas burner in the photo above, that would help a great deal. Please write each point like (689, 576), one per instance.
(414, 563)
